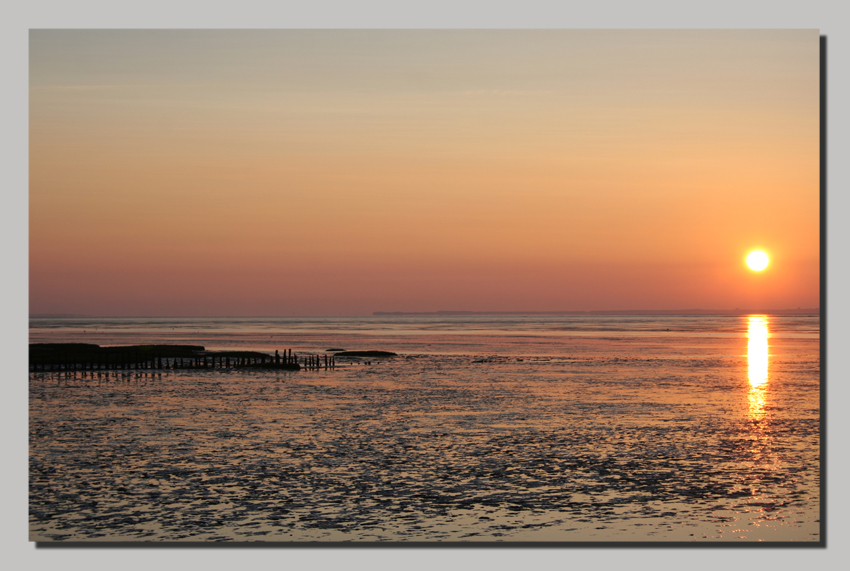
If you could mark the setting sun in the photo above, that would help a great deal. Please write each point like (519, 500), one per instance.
(757, 260)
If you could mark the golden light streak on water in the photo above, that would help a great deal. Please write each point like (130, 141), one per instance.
(757, 359)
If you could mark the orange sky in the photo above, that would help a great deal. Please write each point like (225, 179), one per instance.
(346, 172)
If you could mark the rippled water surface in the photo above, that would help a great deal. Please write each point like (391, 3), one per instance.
(483, 429)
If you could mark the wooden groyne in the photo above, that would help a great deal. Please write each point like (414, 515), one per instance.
(89, 357)
(316, 362)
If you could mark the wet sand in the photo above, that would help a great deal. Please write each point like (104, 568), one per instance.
(607, 445)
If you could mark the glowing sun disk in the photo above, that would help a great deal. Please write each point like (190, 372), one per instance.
(757, 260)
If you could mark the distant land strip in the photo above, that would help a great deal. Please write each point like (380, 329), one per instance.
(736, 311)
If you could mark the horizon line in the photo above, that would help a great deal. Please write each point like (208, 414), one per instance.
(736, 311)
(449, 313)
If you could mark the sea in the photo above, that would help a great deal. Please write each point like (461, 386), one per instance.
(576, 429)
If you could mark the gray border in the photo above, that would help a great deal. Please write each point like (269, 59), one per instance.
(823, 15)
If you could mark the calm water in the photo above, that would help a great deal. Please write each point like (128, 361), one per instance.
(483, 428)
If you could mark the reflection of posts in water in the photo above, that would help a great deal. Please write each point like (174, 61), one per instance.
(757, 359)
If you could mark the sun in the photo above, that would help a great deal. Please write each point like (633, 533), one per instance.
(757, 260)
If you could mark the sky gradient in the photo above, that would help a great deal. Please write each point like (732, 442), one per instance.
(344, 172)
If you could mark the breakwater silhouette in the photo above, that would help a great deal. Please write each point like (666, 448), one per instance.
(89, 357)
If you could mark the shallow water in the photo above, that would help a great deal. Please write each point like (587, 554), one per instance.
(513, 429)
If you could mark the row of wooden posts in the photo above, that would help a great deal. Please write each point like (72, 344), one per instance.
(316, 362)
(123, 361)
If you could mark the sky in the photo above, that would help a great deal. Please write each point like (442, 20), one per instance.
(307, 172)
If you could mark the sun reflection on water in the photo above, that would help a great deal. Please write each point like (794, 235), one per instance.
(757, 357)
